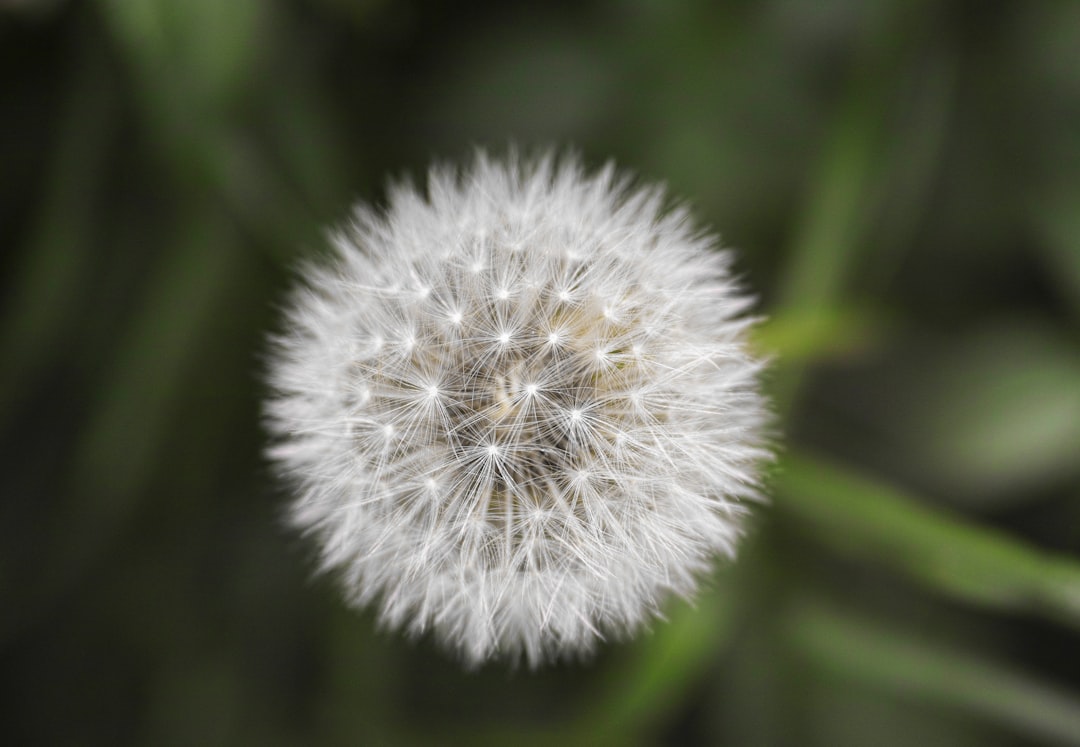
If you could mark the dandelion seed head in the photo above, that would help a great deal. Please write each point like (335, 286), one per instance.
(518, 408)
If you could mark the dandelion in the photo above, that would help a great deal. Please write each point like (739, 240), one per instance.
(519, 409)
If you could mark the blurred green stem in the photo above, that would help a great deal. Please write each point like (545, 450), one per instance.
(799, 338)
(979, 565)
(845, 195)
(121, 444)
(46, 289)
(915, 159)
(839, 207)
(864, 652)
(642, 695)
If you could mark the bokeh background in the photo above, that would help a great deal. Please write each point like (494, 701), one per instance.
(901, 180)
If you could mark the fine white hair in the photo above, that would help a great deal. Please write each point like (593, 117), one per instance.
(518, 407)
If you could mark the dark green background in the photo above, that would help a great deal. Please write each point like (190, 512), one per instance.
(902, 182)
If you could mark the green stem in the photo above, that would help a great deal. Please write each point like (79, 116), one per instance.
(864, 652)
(980, 565)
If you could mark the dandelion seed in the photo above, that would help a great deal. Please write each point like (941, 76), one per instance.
(555, 430)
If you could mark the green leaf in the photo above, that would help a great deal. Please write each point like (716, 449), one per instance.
(813, 335)
(998, 416)
(207, 48)
(194, 62)
(841, 198)
(863, 651)
(675, 656)
(982, 566)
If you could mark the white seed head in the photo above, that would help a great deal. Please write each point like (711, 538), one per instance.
(518, 409)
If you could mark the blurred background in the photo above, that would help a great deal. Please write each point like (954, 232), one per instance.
(902, 183)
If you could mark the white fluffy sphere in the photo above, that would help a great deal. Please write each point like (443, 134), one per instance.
(519, 408)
